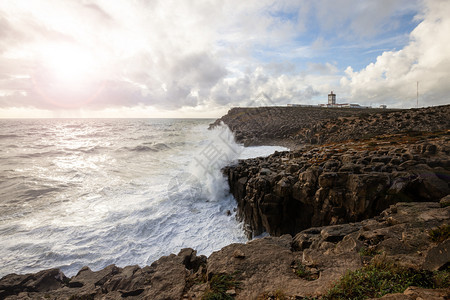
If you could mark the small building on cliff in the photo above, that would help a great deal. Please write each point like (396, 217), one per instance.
(331, 99)
(332, 103)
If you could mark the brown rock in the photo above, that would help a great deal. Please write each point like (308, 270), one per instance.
(238, 254)
(438, 257)
(445, 201)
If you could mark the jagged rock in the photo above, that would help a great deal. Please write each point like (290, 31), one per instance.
(166, 278)
(320, 193)
(42, 281)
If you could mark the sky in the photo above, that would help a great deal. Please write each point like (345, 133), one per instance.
(166, 58)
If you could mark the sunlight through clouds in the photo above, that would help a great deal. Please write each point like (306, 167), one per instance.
(112, 55)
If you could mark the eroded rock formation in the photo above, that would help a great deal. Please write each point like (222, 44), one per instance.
(338, 183)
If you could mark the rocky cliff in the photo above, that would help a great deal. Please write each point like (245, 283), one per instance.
(339, 182)
(313, 125)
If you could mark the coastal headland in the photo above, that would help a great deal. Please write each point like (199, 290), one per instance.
(359, 208)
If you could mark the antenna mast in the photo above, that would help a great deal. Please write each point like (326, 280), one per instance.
(417, 101)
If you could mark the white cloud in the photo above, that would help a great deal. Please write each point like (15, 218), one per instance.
(204, 55)
(392, 78)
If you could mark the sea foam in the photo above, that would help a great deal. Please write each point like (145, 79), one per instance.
(69, 207)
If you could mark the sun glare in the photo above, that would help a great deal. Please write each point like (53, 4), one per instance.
(69, 65)
(68, 75)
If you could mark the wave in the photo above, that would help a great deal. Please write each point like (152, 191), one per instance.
(217, 151)
(86, 150)
(42, 154)
(91, 135)
(144, 148)
(145, 137)
(74, 126)
(32, 194)
(143, 199)
(8, 136)
(160, 146)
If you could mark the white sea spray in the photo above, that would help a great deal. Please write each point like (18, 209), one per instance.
(96, 192)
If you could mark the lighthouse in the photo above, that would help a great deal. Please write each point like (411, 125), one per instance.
(331, 99)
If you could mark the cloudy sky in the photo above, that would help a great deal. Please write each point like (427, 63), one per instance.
(164, 58)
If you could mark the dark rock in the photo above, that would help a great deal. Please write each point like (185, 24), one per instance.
(275, 125)
(445, 201)
(333, 186)
(438, 257)
(43, 281)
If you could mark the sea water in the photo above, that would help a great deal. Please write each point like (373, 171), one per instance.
(94, 192)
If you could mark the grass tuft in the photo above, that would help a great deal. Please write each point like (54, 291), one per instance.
(218, 287)
(302, 272)
(368, 251)
(382, 277)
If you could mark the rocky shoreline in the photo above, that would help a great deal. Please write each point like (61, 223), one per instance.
(339, 182)
(361, 189)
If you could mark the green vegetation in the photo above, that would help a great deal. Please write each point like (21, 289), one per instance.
(304, 273)
(218, 287)
(442, 278)
(383, 277)
(440, 233)
(277, 295)
(368, 251)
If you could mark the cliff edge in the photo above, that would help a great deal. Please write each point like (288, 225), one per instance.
(296, 126)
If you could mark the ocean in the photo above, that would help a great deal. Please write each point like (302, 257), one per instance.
(95, 192)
